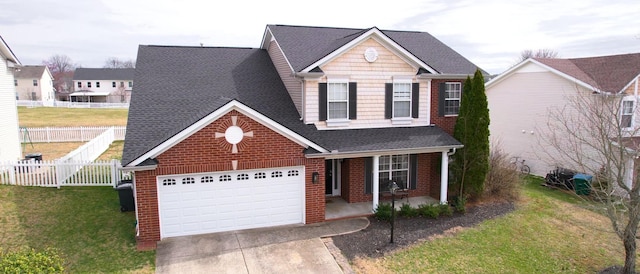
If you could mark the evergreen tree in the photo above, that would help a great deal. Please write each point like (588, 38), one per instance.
(470, 164)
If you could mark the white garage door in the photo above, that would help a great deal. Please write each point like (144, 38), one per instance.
(213, 202)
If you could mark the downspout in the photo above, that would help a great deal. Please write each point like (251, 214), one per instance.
(302, 98)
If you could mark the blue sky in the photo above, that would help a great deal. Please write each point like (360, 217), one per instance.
(490, 33)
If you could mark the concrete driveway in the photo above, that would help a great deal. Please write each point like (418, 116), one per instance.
(287, 249)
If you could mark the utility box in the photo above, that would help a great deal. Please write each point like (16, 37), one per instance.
(582, 183)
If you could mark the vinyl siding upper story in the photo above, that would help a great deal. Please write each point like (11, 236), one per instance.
(521, 100)
(9, 127)
(369, 79)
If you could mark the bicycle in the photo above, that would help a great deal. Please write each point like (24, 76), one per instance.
(520, 166)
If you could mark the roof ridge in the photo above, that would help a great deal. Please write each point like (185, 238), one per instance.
(316, 27)
(206, 47)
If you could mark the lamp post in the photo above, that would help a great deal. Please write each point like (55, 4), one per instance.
(392, 188)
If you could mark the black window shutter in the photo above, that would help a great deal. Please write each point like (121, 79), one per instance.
(413, 169)
(415, 95)
(353, 100)
(441, 95)
(368, 175)
(388, 100)
(322, 87)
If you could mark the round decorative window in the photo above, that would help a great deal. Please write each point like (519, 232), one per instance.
(371, 55)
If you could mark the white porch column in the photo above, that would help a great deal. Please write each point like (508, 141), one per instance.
(374, 181)
(444, 177)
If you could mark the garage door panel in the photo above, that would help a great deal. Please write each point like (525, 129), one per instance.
(241, 200)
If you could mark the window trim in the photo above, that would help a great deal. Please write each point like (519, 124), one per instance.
(391, 170)
(35, 82)
(346, 100)
(408, 100)
(459, 99)
(88, 84)
(632, 112)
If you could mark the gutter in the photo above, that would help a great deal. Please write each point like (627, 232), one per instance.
(443, 76)
(309, 75)
(357, 154)
(139, 168)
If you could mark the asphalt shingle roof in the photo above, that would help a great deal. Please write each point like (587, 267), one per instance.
(607, 73)
(177, 86)
(303, 46)
(29, 72)
(104, 74)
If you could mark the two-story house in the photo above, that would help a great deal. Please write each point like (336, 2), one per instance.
(224, 139)
(35, 83)
(522, 98)
(9, 127)
(102, 85)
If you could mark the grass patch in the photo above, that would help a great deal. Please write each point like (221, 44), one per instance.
(114, 151)
(83, 223)
(546, 234)
(51, 151)
(71, 117)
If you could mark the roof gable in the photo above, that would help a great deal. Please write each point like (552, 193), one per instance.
(306, 47)
(6, 51)
(568, 72)
(215, 115)
(104, 74)
(29, 72)
(612, 73)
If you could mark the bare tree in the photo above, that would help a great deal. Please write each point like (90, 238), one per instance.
(540, 53)
(592, 134)
(62, 68)
(115, 62)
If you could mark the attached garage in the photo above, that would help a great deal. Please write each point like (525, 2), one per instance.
(200, 203)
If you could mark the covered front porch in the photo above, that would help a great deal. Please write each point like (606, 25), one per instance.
(337, 208)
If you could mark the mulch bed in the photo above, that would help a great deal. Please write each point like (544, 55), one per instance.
(373, 241)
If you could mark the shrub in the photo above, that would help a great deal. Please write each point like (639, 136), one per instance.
(30, 261)
(503, 182)
(407, 211)
(429, 211)
(383, 212)
(445, 210)
(460, 204)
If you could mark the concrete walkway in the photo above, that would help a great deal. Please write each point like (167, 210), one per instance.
(285, 249)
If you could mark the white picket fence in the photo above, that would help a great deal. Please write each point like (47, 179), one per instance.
(78, 168)
(67, 134)
(66, 104)
(56, 173)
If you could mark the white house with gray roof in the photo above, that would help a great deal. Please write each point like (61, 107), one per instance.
(103, 85)
(35, 83)
(9, 128)
(224, 138)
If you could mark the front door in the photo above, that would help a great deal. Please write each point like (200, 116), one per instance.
(328, 177)
(332, 177)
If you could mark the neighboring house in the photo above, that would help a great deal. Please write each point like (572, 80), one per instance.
(34, 83)
(9, 127)
(521, 98)
(102, 85)
(233, 138)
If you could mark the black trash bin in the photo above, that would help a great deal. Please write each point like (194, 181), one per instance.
(35, 156)
(125, 193)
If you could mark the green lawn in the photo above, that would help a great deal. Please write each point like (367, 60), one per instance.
(71, 117)
(83, 223)
(544, 235)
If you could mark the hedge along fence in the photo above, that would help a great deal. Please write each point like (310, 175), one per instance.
(67, 134)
